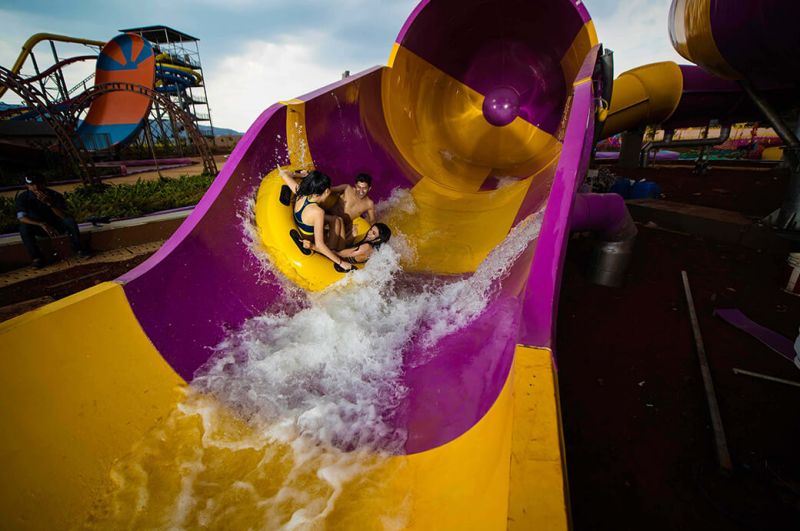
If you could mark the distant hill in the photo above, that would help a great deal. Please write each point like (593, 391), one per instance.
(204, 130)
(218, 131)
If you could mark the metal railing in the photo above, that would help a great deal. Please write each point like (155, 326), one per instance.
(81, 84)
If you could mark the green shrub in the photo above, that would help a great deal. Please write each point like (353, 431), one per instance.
(121, 200)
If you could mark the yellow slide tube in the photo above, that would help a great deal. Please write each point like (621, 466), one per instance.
(160, 61)
(645, 95)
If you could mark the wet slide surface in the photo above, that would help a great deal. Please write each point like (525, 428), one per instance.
(418, 392)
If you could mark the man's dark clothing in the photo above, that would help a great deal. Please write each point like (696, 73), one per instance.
(28, 205)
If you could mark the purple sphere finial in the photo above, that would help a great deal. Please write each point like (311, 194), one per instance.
(501, 106)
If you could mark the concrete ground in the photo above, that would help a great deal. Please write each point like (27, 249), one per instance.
(640, 448)
(28, 288)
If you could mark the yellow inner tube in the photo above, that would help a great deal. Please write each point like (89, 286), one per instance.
(274, 220)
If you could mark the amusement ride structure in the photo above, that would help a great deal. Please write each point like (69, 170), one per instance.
(145, 95)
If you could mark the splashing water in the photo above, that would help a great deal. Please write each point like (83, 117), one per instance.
(289, 423)
(335, 367)
(267, 273)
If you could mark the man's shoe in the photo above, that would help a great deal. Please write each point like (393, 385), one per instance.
(83, 253)
(37, 263)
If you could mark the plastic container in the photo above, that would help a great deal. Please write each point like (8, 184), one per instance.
(797, 351)
(793, 284)
(645, 190)
(622, 187)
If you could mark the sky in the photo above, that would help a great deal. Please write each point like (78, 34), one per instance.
(257, 52)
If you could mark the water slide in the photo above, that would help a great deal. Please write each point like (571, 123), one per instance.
(174, 75)
(756, 41)
(171, 79)
(679, 96)
(126, 58)
(21, 112)
(752, 41)
(419, 392)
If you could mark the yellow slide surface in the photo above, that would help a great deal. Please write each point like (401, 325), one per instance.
(80, 384)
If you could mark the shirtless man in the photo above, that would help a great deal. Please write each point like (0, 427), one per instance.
(353, 203)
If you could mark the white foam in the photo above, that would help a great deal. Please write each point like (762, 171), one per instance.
(314, 382)
(334, 367)
(399, 203)
(266, 273)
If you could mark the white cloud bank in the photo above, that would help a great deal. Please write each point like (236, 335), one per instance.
(638, 33)
(242, 85)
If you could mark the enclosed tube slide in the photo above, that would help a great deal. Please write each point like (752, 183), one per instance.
(484, 117)
(126, 58)
(756, 44)
(757, 41)
(678, 96)
(174, 77)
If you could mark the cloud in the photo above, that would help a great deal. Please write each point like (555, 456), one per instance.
(240, 86)
(637, 32)
(326, 39)
(20, 28)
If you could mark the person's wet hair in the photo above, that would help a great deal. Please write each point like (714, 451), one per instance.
(364, 178)
(384, 233)
(315, 183)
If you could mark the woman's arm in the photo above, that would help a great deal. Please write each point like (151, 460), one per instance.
(360, 252)
(319, 239)
(291, 178)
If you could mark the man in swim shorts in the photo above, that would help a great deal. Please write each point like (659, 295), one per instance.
(353, 202)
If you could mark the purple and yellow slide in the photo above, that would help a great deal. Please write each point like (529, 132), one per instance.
(126, 58)
(484, 119)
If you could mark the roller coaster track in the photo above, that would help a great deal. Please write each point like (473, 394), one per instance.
(58, 65)
(62, 126)
(10, 113)
(81, 84)
(176, 114)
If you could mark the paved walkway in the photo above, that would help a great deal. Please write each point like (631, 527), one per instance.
(115, 255)
(27, 288)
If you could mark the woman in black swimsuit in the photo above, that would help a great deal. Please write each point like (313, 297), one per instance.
(309, 217)
(358, 254)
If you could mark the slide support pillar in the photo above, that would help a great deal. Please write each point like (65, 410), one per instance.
(631, 148)
(789, 214)
(607, 216)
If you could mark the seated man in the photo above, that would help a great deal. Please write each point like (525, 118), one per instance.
(353, 203)
(43, 212)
